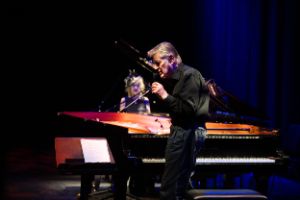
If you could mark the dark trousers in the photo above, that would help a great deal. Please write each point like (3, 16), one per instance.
(180, 158)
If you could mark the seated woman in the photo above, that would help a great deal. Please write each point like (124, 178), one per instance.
(135, 101)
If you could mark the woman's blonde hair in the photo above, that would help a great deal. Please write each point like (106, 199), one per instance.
(133, 79)
(165, 49)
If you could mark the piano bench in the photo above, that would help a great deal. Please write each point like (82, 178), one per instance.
(218, 194)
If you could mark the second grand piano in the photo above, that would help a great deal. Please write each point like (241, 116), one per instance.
(238, 141)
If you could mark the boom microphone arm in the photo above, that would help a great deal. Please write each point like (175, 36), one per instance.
(135, 55)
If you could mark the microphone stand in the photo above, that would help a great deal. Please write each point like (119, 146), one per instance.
(135, 55)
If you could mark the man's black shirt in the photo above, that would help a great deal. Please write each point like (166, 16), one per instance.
(188, 98)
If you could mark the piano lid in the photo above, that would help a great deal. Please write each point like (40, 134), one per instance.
(159, 124)
(225, 107)
(135, 55)
(137, 123)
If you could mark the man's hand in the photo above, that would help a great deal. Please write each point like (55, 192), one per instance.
(159, 90)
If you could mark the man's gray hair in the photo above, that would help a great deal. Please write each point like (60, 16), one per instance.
(165, 49)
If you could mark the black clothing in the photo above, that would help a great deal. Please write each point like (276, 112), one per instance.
(188, 98)
(187, 103)
(137, 107)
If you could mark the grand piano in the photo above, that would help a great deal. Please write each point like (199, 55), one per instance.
(238, 140)
(236, 135)
(226, 143)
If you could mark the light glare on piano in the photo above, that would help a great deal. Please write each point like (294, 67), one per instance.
(218, 160)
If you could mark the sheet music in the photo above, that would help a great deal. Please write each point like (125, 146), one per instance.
(96, 151)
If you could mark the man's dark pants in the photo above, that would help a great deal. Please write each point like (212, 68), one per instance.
(180, 158)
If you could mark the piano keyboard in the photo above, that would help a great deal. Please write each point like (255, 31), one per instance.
(219, 160)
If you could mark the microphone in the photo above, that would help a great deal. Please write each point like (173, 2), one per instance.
(148, 87)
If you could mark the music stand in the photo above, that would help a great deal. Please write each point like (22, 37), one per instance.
(85, 157)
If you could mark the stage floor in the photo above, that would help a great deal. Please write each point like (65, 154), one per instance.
(31, 174)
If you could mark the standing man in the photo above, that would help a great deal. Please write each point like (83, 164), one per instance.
(183, 91)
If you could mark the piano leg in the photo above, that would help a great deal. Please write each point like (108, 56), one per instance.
(119, 186)
(86, 185)
(118, 143)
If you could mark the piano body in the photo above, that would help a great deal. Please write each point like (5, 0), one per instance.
(235, 142)
(228, 146)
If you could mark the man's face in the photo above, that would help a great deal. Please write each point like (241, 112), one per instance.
(163, 64)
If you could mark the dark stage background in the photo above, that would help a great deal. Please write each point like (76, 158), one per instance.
(61, 56)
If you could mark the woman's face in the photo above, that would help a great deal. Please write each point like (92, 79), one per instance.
(135, 88)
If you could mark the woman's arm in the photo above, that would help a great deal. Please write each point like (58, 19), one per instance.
(122, 104)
